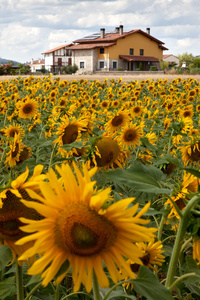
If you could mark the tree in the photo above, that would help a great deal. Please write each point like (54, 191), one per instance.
(196, 63)
(188, 58)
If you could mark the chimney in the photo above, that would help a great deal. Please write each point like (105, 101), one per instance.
(117, 29)
(32, 61)
(121, 29)
(102, 33)
(148, 30)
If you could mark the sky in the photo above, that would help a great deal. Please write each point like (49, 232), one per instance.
(30, 27)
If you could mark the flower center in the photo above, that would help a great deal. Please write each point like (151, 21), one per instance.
(130, 135)
(70, 134)
(117, 121)
(27, 108)
(82, 231)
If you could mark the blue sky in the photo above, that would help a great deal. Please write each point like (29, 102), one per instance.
(30, 27)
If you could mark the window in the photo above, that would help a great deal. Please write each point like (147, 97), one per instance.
(101, 64)
(131, 51)
(141, 51)
(114, 64)
(82, 65)
(101, 50)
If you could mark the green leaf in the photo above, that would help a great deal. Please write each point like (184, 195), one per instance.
(5, 256)
(68, 147)
(140, 178)
(7, 288)
(148, 286)
(192, 171)
(116, 294)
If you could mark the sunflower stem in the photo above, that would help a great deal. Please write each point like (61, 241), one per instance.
(33, 291)
(160, 228)
(179, 241)
(95, 287)
(52, 155)
(182, 278)
(57, 291)
(19, 282)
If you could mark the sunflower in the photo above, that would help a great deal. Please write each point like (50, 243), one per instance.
(76, 229)
(191, 153)
(188, 186)
(69, 132)
(196, 247)
(16, 148)
(117, 121)
(130, 136)
(27, 109)
(13, 129)
(108, 153)
(12, 209)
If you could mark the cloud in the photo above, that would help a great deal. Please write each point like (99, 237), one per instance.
(27, 28)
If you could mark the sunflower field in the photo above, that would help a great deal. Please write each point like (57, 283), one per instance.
(99, 189)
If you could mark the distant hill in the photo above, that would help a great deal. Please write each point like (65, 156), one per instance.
(5, 61)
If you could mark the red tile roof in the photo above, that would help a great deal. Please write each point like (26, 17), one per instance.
(138, 58)
(57, 48)
(114, 36)
(37, 62)
(90, 46)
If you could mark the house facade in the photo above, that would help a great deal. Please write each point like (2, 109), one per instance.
(57, 58)
(36, 65)
(117, 50)
(171, 59)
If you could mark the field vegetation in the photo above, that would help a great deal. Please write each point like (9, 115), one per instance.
(99, 188)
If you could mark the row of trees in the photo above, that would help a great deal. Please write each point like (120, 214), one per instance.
(190, 60)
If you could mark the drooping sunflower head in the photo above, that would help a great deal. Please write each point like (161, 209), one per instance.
(76, 229)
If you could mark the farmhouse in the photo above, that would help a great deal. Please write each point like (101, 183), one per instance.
(124, 50)
(57, 58)
(108, 51)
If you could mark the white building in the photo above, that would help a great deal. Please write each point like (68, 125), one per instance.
(56, 58)
(36, 65)
(171, 59)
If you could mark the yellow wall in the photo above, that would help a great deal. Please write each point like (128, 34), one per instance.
(136, 41)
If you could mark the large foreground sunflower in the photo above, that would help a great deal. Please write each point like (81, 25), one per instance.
(76, 229)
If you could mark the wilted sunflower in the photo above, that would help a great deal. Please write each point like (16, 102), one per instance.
(12, 209)
(76, 229)
(27, 109)
(130, 136)
(13, 129)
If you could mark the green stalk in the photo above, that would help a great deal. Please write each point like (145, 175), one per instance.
(19, 282)
(164, 216)
(52, 155)
(57, 291)
(33, 291)
(182, 278)
(179, 241)
(95, 287)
